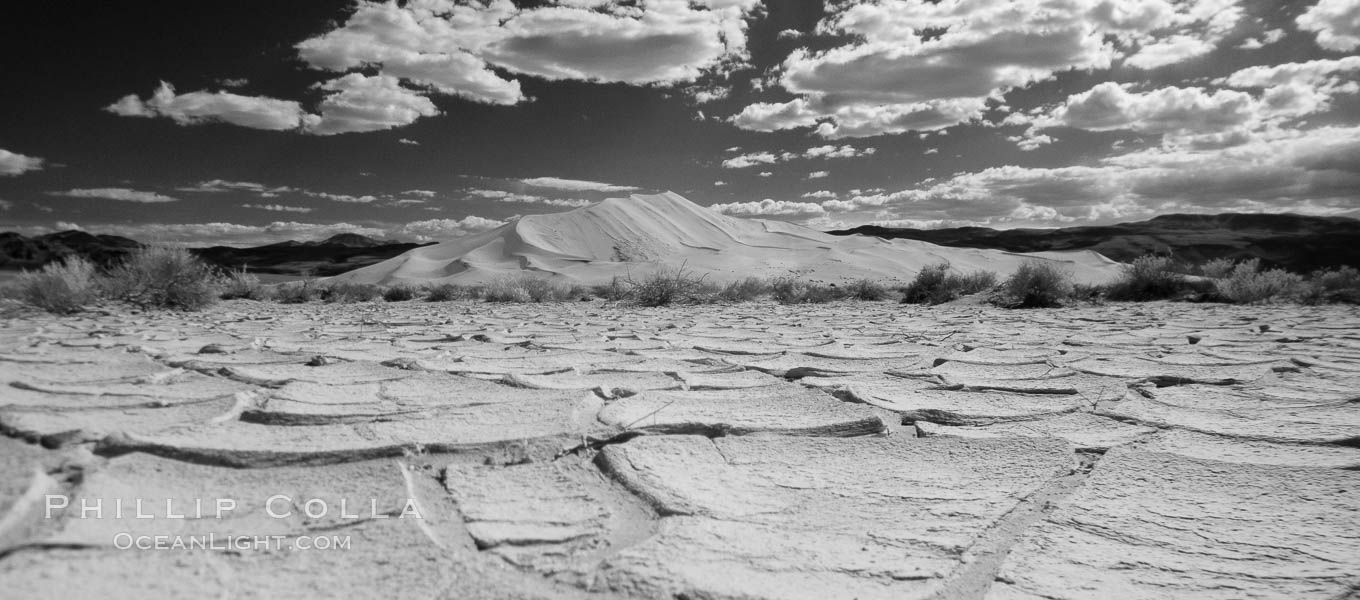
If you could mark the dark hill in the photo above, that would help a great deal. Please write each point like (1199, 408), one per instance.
(331, 256)
(1295, 242)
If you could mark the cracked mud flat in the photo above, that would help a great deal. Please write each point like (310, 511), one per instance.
(860, 450)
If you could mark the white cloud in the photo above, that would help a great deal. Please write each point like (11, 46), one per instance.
(1110, 106)
(408, 142)
(203, 107)
(768, 207)
(1266, 39)
(1336, 22)
(375, 103)
(820, 194)
(765, 174)
(217, 186)
(278, 208)
(750, 160)
(119, 194)
(831, 151)
(818, 174)
(6, 204)
(453, 47)
(575, 185)
(346, 198)
(1312, 73)
(422, 193)
(918, 66)
(719, 183)
(1311, 172)
(12, 163)
(447, 228)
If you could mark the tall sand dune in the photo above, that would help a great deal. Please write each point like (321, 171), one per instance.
(630, 237)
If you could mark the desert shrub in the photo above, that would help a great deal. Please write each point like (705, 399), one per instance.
(1248, 284)
(237, 283)
(505, 289)
(666, 286)
(1036, 284)
(1334, 285)
(1085, 292)
(746, 290)
(163, 277)
(578, 292)
(615, 290)
(864, 289)
(399, 293)
(541, 289)
(1148, 277)
(297, 292)
(63, 287)
(787, 290)
(977, 281)
(928, 287)
(445, 292)
(936, 284)
(345, 292)
(1218, 268)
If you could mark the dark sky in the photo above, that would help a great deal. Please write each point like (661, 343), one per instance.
(258, 121)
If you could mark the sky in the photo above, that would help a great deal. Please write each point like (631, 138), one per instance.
(257, 121)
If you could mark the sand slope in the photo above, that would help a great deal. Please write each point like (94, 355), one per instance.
(639, 234)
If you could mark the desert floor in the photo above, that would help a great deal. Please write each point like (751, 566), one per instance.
(853, 450)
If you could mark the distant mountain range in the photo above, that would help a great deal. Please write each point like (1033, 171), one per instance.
(1295, 242)
(1298, 243)
(331, 256)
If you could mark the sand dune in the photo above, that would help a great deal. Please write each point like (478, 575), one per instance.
(636, 235)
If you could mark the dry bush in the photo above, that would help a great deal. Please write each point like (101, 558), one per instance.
(505, 289)
(615, 290)
(445, 292)
(1036, 284)
(1248, 284)
(936, 284)
(237, 283)
(666, 286)
(1340, 285)
(1148, 277)
(399, 293)
(545, 290)
(746, 290)
(787, 290)
(163, 277)
(866, 290)
(1218, 268)
(297, 292)
(62, 288)
(346, 292)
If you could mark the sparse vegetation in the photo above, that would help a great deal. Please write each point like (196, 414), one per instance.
(297, 292)
(445, 292)
(666, 286)
(1248, 284)
(1340, 285)
(346, 292)
(865, 290)
(937, 284)
(524, 289)
(163, 277)
(746, 290)
(613, 291)
(399, 293)
(787, 290)
(238, 283)
(60, 287)
(1149, 277)
(1036, 284)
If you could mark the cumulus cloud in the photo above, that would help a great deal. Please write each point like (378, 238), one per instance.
(831, 151)
(1318, 73)
(749, 160)
(12, 163)
(929, 65)
(192, 108)
(1336, 22)
(119, 194)
(278, 208)
(1110, 106)
(408, 142)
(575, 185)
(504, 196)
(1310, 172)
(373, 103)
(217, 186)
(820, 194)
(768, 207)
(346, 198)
(447, 228)
(454, 47)
(818, 174)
